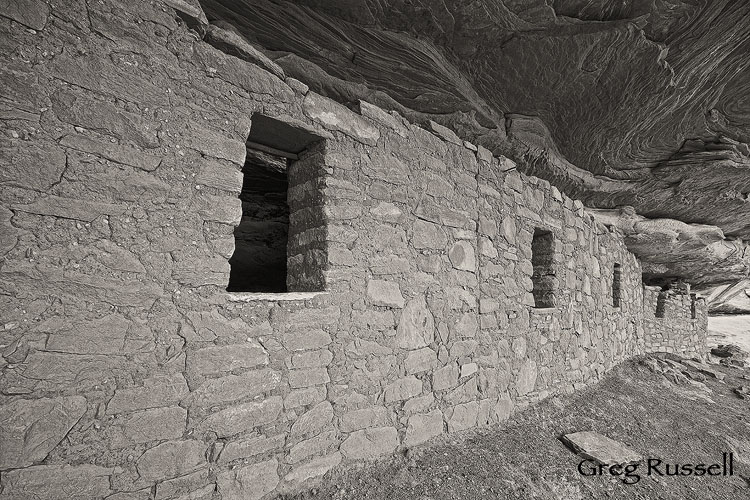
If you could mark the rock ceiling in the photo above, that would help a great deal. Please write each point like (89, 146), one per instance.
(620, 103)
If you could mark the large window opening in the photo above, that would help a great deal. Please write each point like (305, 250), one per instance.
(543, 260)
(616, 285)
(278, 244)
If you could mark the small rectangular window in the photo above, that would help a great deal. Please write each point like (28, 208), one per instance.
(661, 303)
(543, 260)
(616, 284)
(693, 306)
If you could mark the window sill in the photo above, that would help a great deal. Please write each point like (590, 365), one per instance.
(272, 297)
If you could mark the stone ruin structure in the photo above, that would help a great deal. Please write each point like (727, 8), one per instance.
(389, 283)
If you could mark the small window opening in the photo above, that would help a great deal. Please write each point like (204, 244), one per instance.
(661, 303)
(616, 285)
(693, 306)
(542, 261)
(275, 248)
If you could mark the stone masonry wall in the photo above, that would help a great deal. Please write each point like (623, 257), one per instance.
(126, 370)
(675, 322)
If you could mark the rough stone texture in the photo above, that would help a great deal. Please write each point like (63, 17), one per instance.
(370, 443)
(242, 417)
(158, 391)
(45, 482)
(171, 459)
(423, 427)
(251, 482)
(600, 448)
(115, 267)
(32, 428)
(417, 326)
(384, 293)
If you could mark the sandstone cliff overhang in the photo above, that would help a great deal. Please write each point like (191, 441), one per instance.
(638, 103)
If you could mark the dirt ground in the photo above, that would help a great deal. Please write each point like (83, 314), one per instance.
(524, 459)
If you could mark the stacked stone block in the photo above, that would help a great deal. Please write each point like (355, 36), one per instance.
(126, 370)
(675, 321)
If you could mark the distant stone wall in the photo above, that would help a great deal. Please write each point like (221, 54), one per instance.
(128, 373)
(675, 321)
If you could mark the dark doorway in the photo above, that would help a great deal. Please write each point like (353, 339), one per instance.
(259, 263)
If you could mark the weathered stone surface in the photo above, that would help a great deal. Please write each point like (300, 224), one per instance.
(45, 482)
(526, 377)
(304, 397)
(251, 482)
(245, 448)
(32, 428)
(191, 11)
(376, 114)
(161, 390)
(445, 133)
(8, 233)
(311, 470)
(424, 426)
(334, 116)
(503, 408)
(445, 377)
(428, 235)
(147, 425)
(300, 340)
(31, 13)
(312, 359)
(313, 420)
(102, 336)
(417, 325)
(222, 359)
(464, 393)
(219, 175)
(36, 168)
(308, 377)
(118, 153)
(171, 459)
(597, 447)
(464, 416)
(366, 417)
(218, 209)
(202, 272)
(385, 293)
(234, 387)
(462, 256)
(468, 369)
(69, 208)
(241, 417)
(193, 486)
(370, 443)
(420, 360)
(403, 388)
(316, 445)
(231, 42)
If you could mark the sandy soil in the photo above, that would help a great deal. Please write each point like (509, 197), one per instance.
(729, 330)
(524, 459)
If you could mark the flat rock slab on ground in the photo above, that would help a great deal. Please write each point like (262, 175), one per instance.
(598, 447)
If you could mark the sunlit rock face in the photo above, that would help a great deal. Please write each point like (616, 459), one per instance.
(669, 249)
(730, 299)
(637, 102)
